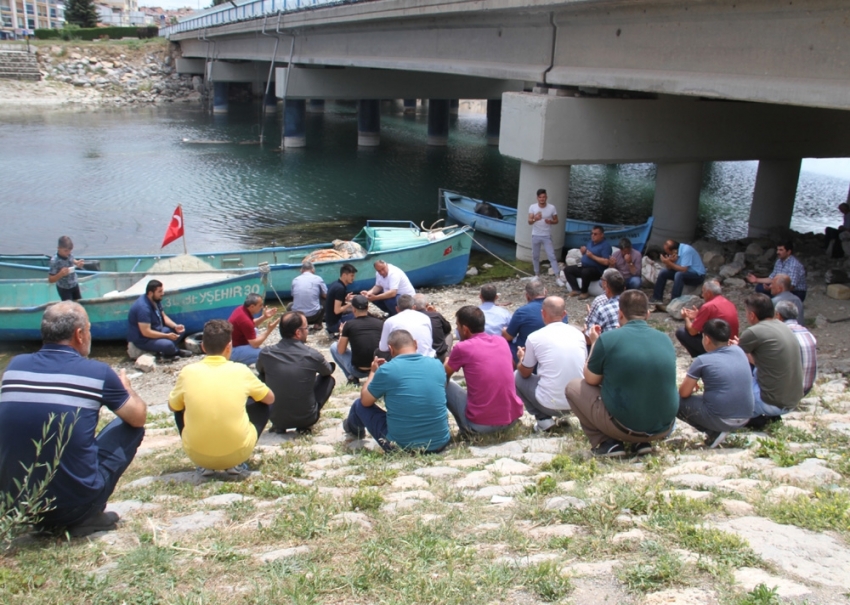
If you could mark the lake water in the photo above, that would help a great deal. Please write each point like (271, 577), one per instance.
(111, 178)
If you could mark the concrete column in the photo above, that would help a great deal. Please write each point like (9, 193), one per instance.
(257, 89)
(409, 106)
(316, 106)
(368, 123)
(773, 197)
(556, 181)
(220, 93)
(676, 204)
(454, 106)
(294, 124)
(494, 120)
(438, 122)
(270, 100)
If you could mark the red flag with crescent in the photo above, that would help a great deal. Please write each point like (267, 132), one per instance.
(175, 227)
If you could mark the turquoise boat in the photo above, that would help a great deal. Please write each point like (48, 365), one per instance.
(461, 209)
(191, 299)
(428, 257)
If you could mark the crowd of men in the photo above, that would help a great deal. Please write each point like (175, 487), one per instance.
(617, 374)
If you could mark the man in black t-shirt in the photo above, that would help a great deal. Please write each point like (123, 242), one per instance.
(364, 334)
(337, 302)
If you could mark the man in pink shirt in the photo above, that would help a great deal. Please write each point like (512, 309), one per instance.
(491, 403)
(716, 306)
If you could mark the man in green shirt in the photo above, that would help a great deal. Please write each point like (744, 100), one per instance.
(628, 392)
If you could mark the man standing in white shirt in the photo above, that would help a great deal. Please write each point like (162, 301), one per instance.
(390, 284)
(541, 216)
(308, 291)
(418, 324)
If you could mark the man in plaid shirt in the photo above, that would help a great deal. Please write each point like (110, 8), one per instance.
(786, 264)
(786, 312)
(605, 308)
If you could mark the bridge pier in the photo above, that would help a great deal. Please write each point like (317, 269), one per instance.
(316, 106)
(494, 120)
(294, 123)
(368, 123)
(773, 196)
(454, 106)
(438, 122)
(556, 181)
(409, 106)
(269, 99)
(221, 90)
(676, 203)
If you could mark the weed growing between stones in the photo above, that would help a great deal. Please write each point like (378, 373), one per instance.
(722, 547)
(780, 453)
(822, 510)
(569, 468)
(760, 595)
(546, 581)
(657, 569)
(366, 499)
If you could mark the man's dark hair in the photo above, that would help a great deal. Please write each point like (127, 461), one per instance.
(788, 245)
(65, 242)
(399, 339)
(615, 281)
(760, 305)
(718, 330)
(252, 299)
(541, 191)
(153, 286)
(405, 302)
(290, 322)
(347, 269)
(674, 245)
(634, 304)
(489, 293)
(472, 317)
(217, 334)
(61, 320)
(600, 227)
(625, 243)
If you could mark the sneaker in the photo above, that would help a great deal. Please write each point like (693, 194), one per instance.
(359, 434)
(206, 472)
(543, 425)
(714, 438)
(642, 449)
(239, 469)
(305, 431)
(560, 282)
(184, 353)
(95, 523)
(610, 448)
(354, 381)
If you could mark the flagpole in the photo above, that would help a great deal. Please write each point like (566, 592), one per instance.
(185, 250)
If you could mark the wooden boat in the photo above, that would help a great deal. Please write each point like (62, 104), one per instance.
(461, 209)
(190, 299)
(429, 258)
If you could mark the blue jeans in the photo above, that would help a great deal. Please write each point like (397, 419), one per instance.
(374, 420)
(388, 305)
(343, 360)
(245, 354)
(333, 328)
(456, 399)
(693, 411)
(634, 282)
(761, 408)
(161, 346)
(680, 279)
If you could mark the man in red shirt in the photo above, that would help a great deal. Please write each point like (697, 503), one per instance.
(246, 342)
(716, 306)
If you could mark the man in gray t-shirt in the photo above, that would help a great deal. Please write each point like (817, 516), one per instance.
(727, 402)
(308, 291)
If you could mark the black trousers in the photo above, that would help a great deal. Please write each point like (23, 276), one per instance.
(587, 275)
(258, 415)
(692, 343)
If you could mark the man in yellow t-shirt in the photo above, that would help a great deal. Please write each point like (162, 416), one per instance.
(220, 407)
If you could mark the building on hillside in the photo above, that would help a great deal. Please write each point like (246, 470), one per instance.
(19, 18)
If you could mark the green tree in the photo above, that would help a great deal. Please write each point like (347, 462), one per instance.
(81, 12)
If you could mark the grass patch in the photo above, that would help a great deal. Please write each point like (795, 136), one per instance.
(779, 452)
(723, 547)
(546, 581)
(658, 569)
(544, 486)
(822, 510)
(366, 499)
(573, 468)
(499, 271)
(760, 595)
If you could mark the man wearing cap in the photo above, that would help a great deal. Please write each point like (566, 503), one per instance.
(363, 333)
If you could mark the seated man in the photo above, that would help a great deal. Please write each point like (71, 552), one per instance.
(727, 400)
(300, 378)
(558, 350)
(246, 341)
(775, 352)
(636, 368)
(527, 318)
(390, 283)
(786, 312)
(780, 289)
(363, 333)
(414, 392)
(490, 403)
(220, 407)
(716, 306)
(786, 264)
(604, 311)
(308, 292)
(338, 301)
(150, 329)
(416, 323)
(832, 243)
(627, 261)
(58, 393)
(441, 329)
(594, 261)
(683, 265)
(496, 316)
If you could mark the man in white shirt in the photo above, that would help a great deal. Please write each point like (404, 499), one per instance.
(418, 324)
(308, 291)
(541, 216)
(390, 284)
(559, 351)
(495, 316)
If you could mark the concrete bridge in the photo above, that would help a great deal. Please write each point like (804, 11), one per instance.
(678, 83)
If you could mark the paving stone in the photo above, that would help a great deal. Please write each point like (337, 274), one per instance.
(742, 486)
(516, 480)
(811, 470)
(625, 520)
(498, 490)
(680, 596)
(409, 482)
(786, 492)
(350, 518)
(487, 527)
(511, 448)
(437, 472)
(281, 553)
(840, 427)
(597, 569)
(633, 535)
(337, 493)
(463, 463)
(567, 486)
(317, 449)
(391, 507)
(806, 554)
(750, 577)
(501, 500)
(737, 508)
(691, 467)
(694, 480)
(225, 499)
(549, 445)
(325, 463)
(196, 521)
(690, 494)
(537, 458)
(562, 530)
(474, 479)
(275, 439)
(564, 502)
(722, 470)
(153, 443)
(625, 477)
(363, 444)
(191, 477)
(527, 560)
(125, 508)
(508, 466)
(417, 494)
(329, 473)
(430, 518)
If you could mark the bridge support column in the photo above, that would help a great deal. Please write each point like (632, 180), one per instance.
(294, 123)
(773, 196)
(438, 122)
(316, 106)
(454, 106)
(556, 181)
(409, 106)
(676, 204)
(270, 100)
(221, 91)
(368, 123)
(494, 120)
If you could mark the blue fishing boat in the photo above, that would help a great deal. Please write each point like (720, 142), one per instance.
(191, 299)
(429, 258)
(461, 209)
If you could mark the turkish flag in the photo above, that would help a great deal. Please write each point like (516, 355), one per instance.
(175, 227)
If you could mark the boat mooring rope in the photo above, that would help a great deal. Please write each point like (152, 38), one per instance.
(266, 271)
(497, 257)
